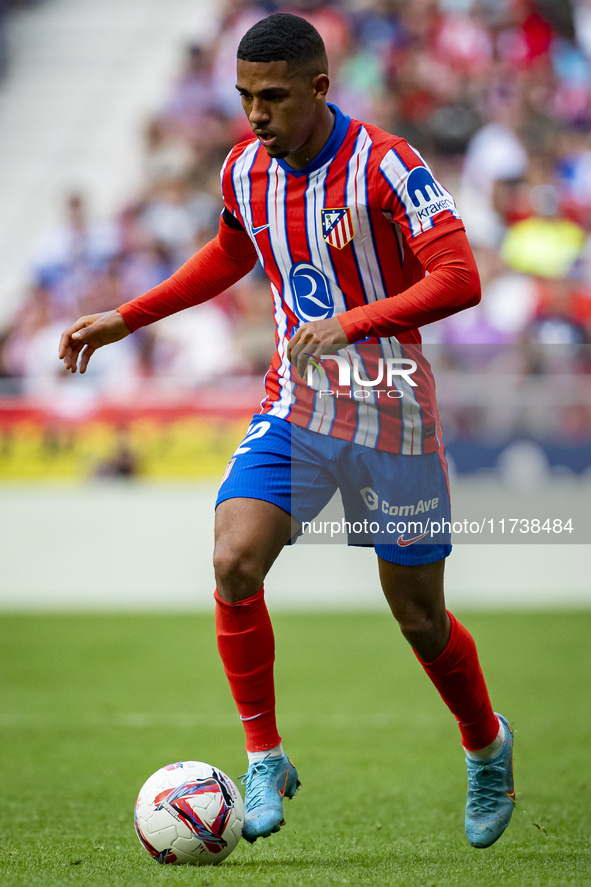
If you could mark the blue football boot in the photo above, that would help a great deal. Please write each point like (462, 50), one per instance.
(491, 793)
(267, 783)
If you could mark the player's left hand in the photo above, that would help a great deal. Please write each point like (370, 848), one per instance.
(314, 339)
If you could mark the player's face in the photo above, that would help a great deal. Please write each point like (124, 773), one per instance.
(286, 109)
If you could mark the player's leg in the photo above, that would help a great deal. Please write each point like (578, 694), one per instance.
(416, 597)
(249, 534)
(448, 655)
(274, 473)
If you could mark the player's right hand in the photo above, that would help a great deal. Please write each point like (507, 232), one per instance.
(83, 338)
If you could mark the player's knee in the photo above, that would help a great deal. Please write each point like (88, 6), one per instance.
(238, 572)
(426, 633)
(416, 628)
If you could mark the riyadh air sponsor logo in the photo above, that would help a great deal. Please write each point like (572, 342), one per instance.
(337, 226)
(311, 295)
(427, 195)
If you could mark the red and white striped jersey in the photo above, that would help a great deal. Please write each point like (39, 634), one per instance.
(340, 233)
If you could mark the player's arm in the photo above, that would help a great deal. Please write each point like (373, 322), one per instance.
(439, 242)
(88, 333)
(407, 193)
(452, 284)
(216, 267)
(312, 340)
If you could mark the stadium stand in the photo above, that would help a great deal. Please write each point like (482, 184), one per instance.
(496, 94)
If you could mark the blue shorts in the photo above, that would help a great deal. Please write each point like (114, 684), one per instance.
(397, 504)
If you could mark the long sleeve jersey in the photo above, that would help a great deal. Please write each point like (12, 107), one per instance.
(363, 232)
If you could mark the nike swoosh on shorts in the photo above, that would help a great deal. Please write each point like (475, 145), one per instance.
(404, 542)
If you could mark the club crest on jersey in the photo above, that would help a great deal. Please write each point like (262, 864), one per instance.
(337, 226)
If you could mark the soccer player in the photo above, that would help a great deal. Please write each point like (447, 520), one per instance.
(346, 220)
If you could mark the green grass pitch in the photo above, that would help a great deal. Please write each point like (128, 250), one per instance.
(91, 705)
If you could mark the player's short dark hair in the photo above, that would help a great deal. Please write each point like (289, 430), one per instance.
(285, 37)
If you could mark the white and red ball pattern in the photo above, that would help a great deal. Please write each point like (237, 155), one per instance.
(189, 812)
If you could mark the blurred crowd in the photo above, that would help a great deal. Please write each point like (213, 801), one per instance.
(496, 95)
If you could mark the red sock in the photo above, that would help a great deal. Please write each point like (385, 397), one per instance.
(457, 674)
(247, 647)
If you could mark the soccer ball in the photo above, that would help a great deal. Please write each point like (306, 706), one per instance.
(189, 812)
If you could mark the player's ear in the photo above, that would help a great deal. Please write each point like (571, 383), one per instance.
(320, 85)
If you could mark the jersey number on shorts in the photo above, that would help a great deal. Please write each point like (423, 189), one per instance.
(255, 430)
